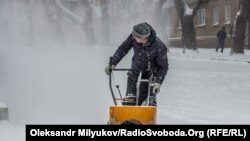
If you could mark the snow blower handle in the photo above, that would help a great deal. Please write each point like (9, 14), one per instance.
(121, 69)
(110, 81)
(110, 77)
(115, 69)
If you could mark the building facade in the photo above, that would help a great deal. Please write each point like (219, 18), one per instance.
(209, 19)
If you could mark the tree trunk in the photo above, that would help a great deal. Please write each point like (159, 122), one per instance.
(29, 38)
(188, 32)
(105, 23)
(248, 46)
(240, 28)
(188, 38)
(88, 25)
(239, 34)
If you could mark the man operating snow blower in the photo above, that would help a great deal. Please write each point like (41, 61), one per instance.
(149, 64)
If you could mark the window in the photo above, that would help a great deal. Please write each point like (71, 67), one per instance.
(201, 16)
(216, 16)
(227, 14)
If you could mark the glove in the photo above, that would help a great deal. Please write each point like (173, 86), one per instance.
(156, 88)
(108, 70)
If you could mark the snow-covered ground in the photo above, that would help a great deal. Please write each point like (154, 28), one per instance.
(10, 132)
(206, 88)
(68, 86)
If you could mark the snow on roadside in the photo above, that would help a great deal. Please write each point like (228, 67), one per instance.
(211, 54)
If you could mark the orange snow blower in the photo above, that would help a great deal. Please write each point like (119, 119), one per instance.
(129, 112)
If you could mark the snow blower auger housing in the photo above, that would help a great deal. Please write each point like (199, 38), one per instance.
(129, 112)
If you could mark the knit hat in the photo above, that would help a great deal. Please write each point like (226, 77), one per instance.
(141, 31)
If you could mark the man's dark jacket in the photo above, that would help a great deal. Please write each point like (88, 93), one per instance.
(155, 51)
(221, 35)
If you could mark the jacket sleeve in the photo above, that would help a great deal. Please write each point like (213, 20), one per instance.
(122, 50)
(225, 35)
(162, 63)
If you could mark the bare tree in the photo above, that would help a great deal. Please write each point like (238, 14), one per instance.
(240, 27)
(54, 16)
(29, 7)
(105, 19)
(85, 20)
(186, 15)
(158, 10)
(88, 23)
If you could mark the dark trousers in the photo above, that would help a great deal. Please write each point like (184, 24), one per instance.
(221, 45)
(143, 92)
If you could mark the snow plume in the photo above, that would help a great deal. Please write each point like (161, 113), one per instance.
(63, 24)
(55, 86)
